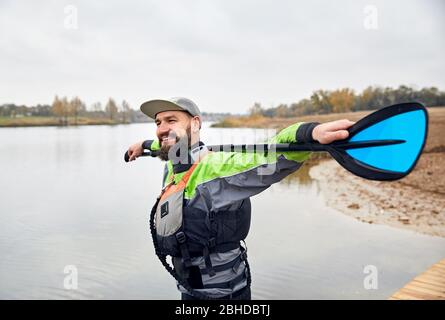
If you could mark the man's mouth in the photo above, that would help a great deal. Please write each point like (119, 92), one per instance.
(168, 140)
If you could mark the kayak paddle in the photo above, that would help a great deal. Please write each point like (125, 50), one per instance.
(385, 145)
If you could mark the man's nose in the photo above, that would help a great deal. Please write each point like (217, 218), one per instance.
(163, 129)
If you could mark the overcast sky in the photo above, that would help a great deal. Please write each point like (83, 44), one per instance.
(225, 55)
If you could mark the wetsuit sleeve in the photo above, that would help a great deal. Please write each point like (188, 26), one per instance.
(229, 177)
(151, 145)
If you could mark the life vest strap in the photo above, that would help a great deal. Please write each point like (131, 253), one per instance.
(211, 272)
(227, 285)
(234, 264)
(182, 241)
(196, 250)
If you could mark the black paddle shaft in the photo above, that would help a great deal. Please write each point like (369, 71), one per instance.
(287, 147)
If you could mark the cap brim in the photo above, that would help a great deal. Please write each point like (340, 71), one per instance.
(153, 107)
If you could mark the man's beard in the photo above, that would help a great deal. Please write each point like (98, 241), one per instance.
(176, 151)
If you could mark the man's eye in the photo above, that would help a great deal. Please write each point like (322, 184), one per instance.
(172, 121)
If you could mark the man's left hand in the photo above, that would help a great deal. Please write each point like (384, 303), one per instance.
(331, 131)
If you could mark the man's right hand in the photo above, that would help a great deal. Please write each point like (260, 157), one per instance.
(135, 151)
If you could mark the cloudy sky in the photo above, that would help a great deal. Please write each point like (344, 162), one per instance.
(225, 55)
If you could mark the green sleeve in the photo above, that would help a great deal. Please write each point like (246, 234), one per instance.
(155, 145)
(224, 164)
(241, 175)
(289, 135)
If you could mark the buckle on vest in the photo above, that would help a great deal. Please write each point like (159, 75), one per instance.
(180, 236)
(212, 242)
(242, 257)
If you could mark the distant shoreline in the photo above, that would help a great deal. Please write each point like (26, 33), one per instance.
(61, 126)
(64, 126)
(260, 121)
(6, 122)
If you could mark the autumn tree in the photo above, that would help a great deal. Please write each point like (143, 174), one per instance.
(66, 109)
(96, 107)
(125, 109)
(303, 107)
(97, 110)
(111, 109)
(256, 109)
(76, 107)
(57, 107)
(60, 108)
(342, 100)
(430, 96)
(320, 102)
(282, 111)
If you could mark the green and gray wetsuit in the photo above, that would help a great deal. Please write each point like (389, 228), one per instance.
(216, 209)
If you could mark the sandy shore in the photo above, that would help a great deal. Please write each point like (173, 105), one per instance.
(416, 202)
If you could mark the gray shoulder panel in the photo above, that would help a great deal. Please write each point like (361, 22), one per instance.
(226, 193)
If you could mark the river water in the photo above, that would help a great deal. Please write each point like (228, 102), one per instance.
(68, 200)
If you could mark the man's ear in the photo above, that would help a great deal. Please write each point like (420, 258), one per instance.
(196, 124)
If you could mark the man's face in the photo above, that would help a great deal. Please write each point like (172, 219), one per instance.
(172, 126)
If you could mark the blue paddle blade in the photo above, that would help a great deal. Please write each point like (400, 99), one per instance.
(409, 126)
(392, 139)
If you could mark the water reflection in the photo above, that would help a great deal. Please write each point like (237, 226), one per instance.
(301, 177)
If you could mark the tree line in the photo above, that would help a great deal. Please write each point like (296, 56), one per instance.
(346, 100)
(64, 108)
(320, 102)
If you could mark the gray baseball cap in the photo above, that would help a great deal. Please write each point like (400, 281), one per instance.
(153, 107)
